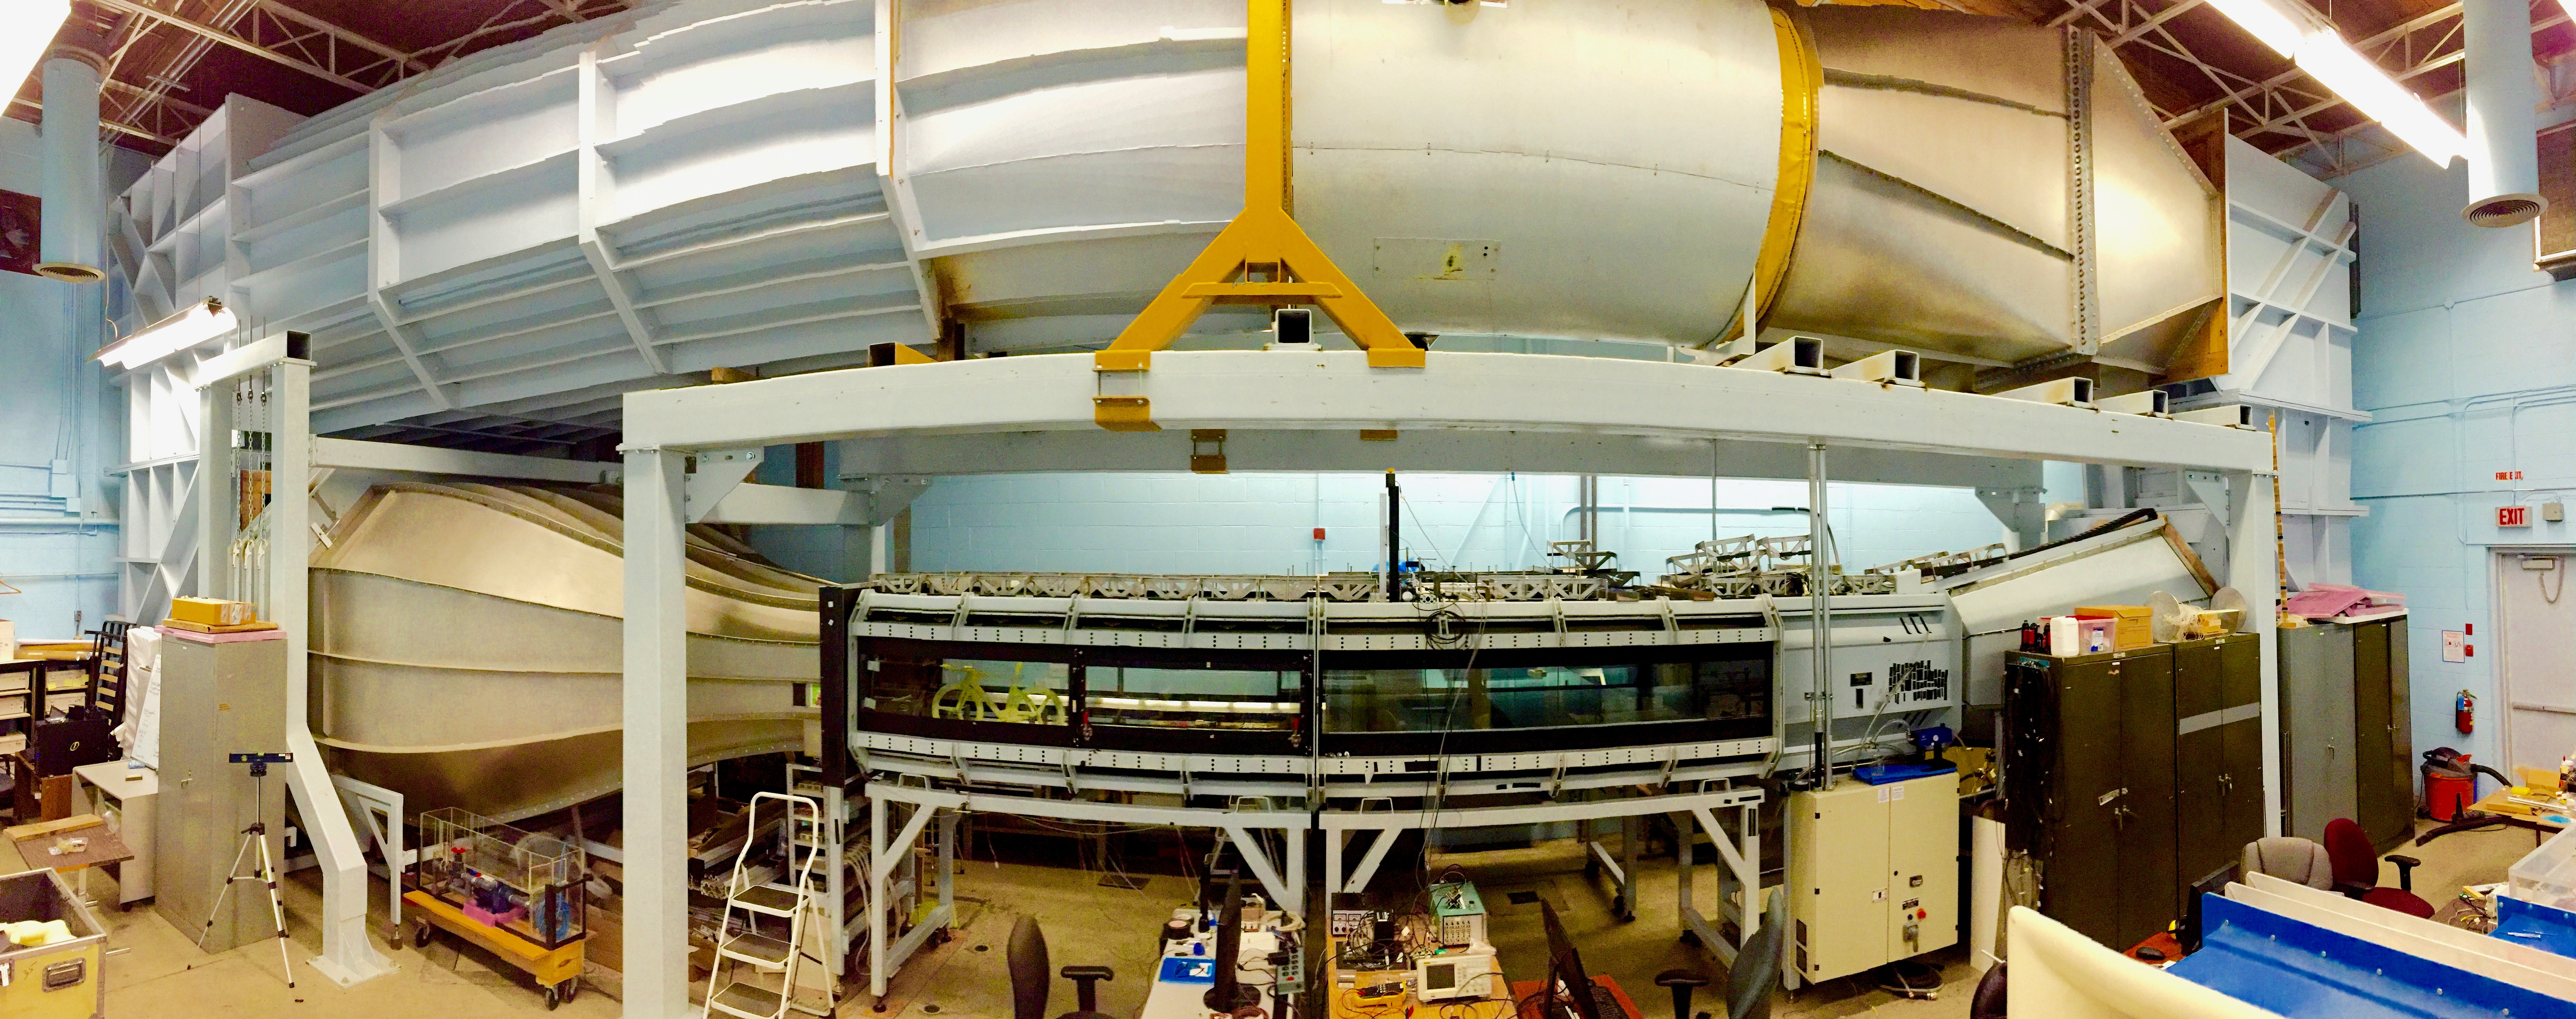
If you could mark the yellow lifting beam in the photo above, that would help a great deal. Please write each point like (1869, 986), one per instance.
(1263, 257)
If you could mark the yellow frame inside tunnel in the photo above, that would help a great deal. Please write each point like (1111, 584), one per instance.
(1263, 257)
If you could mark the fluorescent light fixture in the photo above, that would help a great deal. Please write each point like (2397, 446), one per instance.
(32, 24)
(2276, 29)
(2335, 64)
(200, 322)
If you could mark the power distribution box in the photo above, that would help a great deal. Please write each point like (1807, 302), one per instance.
(1873, 874)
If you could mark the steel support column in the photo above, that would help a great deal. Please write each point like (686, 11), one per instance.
(2252, 548)
(656, 737)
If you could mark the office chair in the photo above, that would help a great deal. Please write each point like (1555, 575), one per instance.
(2290, 859)
(2356, 871)
(1028, 967)
(1988, 1003)
(1757, 967)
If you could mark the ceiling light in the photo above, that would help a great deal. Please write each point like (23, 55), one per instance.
(200, 322)
(2270, 24)
(32, 24)
(2336, 65)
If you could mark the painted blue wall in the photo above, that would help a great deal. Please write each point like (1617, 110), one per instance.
(2456, 331)
(1264, 523)
(54, 405)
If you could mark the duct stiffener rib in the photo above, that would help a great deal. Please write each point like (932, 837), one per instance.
(597, 121)
(892, 183)
(2085, 336)
(382, 178)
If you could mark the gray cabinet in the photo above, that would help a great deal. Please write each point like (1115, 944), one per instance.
(2345, 746)
(217, 700)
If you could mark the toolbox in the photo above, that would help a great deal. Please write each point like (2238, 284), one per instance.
(59, 979)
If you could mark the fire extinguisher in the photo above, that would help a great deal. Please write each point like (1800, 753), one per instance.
(2464, 712)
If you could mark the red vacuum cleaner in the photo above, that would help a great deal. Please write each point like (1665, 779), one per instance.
(2451, 783)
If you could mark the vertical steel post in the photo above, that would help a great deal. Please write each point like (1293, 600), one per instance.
(656, 737)
(1820, 613)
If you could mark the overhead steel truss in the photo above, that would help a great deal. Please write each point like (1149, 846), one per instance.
(2274, 113)
(290, 38)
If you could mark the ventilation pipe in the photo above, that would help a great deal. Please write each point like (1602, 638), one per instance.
(73, 243)
(2504, 159)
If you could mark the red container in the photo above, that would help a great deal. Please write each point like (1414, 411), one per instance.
(2445, 799)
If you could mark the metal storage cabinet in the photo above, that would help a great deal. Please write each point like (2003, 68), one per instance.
(2382, 743)
(2317, 719)
(216, 700)
(2218, 773)
(1873, 874)
(2090, 777)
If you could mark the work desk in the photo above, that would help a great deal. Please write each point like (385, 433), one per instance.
(1347, 1004)
(123, 795)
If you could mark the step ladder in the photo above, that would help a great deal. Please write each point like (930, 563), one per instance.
(750, 952)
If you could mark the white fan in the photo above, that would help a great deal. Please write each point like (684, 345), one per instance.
(2228, 599)
(2168, 617)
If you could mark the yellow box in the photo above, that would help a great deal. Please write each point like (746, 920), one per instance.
(2129, 630)
(212, 611)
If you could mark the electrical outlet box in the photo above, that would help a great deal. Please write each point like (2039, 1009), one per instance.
(2553, 511)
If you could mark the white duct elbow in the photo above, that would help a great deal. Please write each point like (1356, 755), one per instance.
(2504, 161)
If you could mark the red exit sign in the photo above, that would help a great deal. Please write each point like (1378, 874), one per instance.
(2508, 475)
(2513, 516)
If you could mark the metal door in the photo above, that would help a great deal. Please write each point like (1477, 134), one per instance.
(2384, 809)
(2200, 793)
(2240, 686)
(2536, 631)
(2150, 888)
(2316, 727)
(2083, 859)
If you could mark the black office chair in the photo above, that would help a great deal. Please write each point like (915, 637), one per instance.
(1029, 984)
(1989, 1000)
(1757, 967)
(1681, 981)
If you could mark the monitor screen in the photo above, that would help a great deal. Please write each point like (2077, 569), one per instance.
(1439, 976)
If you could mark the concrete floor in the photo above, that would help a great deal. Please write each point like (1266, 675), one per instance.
(158, 971)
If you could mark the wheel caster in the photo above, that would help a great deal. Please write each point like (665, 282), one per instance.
(420, 935)
(552, 999)
(570, 989)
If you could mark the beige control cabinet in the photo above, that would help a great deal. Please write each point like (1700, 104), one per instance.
(1873, 874)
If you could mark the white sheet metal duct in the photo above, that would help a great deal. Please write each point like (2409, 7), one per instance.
(2504, 156)
(71, 242)
(2120, 567)
(704, 183)
(465, 646)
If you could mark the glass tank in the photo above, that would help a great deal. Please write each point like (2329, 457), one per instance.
(526, 883)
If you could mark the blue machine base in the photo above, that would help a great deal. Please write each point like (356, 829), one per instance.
(2546, 928)
(1882, 774)
(2301, 970)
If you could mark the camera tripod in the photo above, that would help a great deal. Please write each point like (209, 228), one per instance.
(256, 834)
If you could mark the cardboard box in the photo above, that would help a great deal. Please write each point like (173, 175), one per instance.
(212, 611)
(2130, 629)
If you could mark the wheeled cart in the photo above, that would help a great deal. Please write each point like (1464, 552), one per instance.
(516, 893)
(558, 970)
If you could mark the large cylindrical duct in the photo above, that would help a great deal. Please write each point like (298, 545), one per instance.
(2504, 159)
(73, 244)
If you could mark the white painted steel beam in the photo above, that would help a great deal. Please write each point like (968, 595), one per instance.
(2252, 570)
(395, 456)
(781, 504)
(1336, 391)
(1422, 450)
(656, 737)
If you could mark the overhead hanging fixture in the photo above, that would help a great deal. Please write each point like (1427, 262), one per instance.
(32, 24)
(2337, 66)
(196, 324)
(2267, 23)
(2292, 31)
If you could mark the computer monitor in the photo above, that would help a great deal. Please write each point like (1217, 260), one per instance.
(1564, 964)
(1229, 993)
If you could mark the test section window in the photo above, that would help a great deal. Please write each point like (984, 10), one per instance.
(1195, 696)
(930, 685)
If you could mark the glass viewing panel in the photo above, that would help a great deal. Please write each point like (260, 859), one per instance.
(1184, 698)
(970, 689)
(1529, 697)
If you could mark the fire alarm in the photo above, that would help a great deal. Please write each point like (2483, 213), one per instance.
(1319, 534)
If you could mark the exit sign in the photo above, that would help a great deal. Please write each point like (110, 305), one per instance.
(2513, 516)
(2508, 475)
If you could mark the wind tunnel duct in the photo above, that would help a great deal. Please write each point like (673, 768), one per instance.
(736, 183)
(2503, 125)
